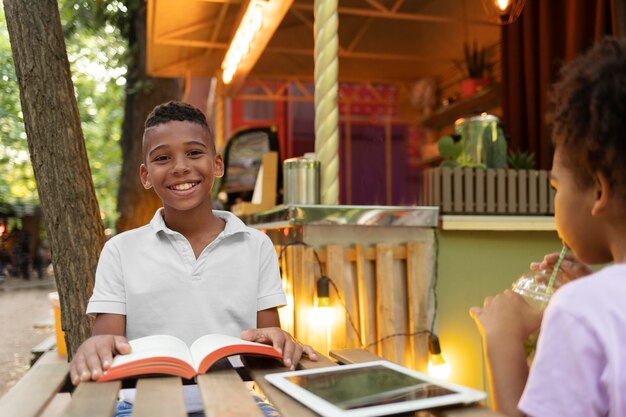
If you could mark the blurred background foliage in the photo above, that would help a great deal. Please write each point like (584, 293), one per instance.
(97, 50)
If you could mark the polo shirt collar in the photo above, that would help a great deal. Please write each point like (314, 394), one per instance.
(233, 223)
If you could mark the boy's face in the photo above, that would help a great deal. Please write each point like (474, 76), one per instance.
(180, 163)
(579, 229)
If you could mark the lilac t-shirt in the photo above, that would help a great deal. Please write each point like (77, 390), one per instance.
(580, 366)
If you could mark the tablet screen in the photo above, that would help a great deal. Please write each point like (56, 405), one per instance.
(364, 387)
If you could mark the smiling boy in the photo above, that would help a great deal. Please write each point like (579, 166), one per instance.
(192, 270)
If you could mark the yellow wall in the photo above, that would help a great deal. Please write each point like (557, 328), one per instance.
(472, 265)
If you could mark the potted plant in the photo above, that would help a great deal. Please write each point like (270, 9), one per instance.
(476, 68)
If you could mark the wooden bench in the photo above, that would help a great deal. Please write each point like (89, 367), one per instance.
(223, 393)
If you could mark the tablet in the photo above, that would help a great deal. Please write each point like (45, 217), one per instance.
(369, 389)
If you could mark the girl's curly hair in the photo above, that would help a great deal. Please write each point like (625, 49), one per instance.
(588, 113)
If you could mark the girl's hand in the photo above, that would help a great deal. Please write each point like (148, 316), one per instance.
(283, 342)
(570, 269)
(506, 315)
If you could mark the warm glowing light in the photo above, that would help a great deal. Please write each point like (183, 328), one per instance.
(502, 4)
(3, 229)
(438, 367)
(323, 316)
(250, 25)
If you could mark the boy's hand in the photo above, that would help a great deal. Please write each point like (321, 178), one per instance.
(283, 342)
(571, 268)
(506, 315)
(95, 355)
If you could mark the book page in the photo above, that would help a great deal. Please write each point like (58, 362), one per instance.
(155, 346)
(216, 346)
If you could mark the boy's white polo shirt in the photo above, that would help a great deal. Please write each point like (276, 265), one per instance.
(151, 275)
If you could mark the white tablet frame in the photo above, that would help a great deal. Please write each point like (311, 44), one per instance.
(462, 395)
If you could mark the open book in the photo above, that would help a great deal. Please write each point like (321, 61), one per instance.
(162, 354)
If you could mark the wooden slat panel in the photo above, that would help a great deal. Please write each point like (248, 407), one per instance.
(419, 275)
(501, 207)
(533, 193)
(522, 191)
(446, 190)
(33, 392)
(301, 292)
(491, 191)
(511, 178)
(94, 399)
(457, 187)
(543, 192)
(349, 254)
(388, 320)
(334, 270)
(480, 190)
(366, 298)
(286, 313)
(468, 192)
(225, 394)
(159, 396)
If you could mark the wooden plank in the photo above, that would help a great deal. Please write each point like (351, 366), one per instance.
(348, 356)
(94, 399)
(480, 190)
(543, 192)
(399, 252)
(32, 393)
(301, 293)
(286, 313)
(511, 182)
(225, 394)
(522, 191)
(468, 190)
(533, 193)
(457, 190)
(388, 292)
(437, 187)
(365, 298)
(159, 396)
(501, 191)
(342, 331)
(491, 191)
(322, 361)
(419, 276)
(58, 403)
(446, 190)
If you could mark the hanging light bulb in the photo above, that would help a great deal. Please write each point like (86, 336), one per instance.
(503, 11)
(437, 365)
(323, 313)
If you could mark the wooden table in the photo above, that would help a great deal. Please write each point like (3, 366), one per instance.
(39, 393)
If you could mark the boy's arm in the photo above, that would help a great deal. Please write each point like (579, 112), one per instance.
(504, 322)
(269, 332)
(96, 353)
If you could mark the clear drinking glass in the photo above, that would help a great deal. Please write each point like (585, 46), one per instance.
(535, 287)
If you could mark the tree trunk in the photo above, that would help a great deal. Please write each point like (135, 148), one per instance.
(58, 155)
(135, 205)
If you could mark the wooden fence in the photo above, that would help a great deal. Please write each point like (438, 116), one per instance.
(488, 191)
(384, 289)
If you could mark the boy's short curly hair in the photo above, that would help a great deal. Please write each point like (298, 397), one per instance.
(177, 111)
(588, 113)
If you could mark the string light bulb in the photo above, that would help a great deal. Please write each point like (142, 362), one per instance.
(437, 365)
(323, 313)
(503, 11)
(250, 25)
